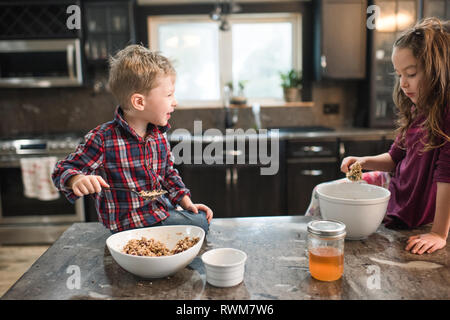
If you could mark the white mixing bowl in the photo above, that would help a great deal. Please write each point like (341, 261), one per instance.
(155, 267)
(360, 206)
(225, 267)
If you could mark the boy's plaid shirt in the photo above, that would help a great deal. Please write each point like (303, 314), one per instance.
(125, 160)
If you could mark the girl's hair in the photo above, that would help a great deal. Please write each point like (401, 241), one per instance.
(429, 42)
(135, 69)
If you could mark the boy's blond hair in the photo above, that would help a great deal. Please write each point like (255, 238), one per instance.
(135, 69)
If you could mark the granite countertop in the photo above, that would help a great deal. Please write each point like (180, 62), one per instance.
(277, 268)
(302, 133)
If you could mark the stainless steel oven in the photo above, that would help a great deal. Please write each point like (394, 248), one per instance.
(40, 63)
(26, 220)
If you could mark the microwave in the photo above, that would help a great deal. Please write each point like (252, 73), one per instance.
(40, 63)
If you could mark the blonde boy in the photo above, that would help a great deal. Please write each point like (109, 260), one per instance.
(132, 151)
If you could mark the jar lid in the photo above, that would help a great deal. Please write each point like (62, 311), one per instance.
(327, 228)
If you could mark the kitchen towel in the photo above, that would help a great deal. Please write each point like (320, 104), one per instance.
(36, 178)
(378, 178)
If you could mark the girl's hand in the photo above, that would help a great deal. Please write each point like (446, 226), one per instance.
(428, 242)
(84, 185)
(348, 161)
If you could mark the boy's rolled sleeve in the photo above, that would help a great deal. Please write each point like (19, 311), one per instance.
(85, 160)
(173, 183)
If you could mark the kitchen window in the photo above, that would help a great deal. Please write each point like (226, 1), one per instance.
(255, 49)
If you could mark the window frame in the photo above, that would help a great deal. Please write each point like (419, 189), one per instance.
(225, 46)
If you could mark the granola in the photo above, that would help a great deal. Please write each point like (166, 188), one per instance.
(355, 173)
(151, 194)
(155, 248)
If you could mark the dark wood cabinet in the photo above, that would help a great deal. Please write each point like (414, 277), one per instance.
(255, 194)
(109, 27)
(436, 8)
(340, 32)
(302, 176)
(37, 19)
(360, 147)
(381, 83)
(210, 185)
(236, 190)
(308, 164)
(240, 190)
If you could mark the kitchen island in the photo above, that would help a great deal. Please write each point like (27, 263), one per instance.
(79, 266)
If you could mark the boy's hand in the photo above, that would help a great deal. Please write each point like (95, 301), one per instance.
(428, 242)
(84, 185)
(187, 204)
(348, 161)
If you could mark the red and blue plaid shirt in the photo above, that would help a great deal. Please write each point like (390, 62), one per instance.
(125, 160)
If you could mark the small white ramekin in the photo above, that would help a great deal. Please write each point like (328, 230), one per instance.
(224, 266)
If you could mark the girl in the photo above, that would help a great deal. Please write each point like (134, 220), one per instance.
(420, 155)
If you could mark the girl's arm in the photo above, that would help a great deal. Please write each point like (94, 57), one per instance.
(437, 238)
(441, 223)
(381, 162)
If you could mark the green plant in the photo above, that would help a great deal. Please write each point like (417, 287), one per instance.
(229, 84)
(241, 85)
(291, 79)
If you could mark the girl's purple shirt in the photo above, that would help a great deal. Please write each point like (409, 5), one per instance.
(413, 186)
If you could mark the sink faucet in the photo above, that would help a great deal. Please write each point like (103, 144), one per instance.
(256, 109)
(231, 117)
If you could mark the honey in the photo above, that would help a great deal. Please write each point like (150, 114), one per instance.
(326, 249)
(326, 263)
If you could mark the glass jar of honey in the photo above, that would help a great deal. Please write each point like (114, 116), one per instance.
(326, 249)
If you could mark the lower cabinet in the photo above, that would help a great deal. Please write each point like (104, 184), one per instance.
(364, 147)
(255, 194)
(302, 176)
(210, 185)
(235, 190)
(309, 162)
(241, 190)
(361, 148)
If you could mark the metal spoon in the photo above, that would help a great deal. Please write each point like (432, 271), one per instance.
(147, 195)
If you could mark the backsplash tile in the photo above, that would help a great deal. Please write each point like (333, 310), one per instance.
(77, 110)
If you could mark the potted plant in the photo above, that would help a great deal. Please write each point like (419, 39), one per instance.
(291, 82)
(239, 99)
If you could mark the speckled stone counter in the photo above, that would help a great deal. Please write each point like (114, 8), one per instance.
(277, 268)
(251, 134)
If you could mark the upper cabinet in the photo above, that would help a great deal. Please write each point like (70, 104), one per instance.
(109, 27)
(36, 20)
(395, 17)
(340, 39)
(437, 8)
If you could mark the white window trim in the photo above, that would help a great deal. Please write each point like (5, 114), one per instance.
(225, 49)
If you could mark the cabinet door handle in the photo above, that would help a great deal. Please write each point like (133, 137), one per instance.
(341, 150)
(235, 176)
(311, 172)
(312, 148)
(323, 61)
(234, 153)
(228, 177)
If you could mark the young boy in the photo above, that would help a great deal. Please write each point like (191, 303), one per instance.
(132, 151)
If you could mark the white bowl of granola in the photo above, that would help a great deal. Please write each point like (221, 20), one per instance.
(156, 252)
